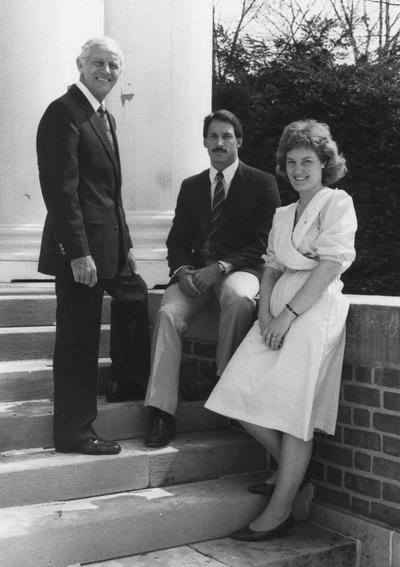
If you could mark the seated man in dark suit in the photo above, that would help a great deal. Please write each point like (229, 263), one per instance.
(215, 246)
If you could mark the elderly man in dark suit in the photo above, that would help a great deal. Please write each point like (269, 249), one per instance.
(87, 246)
(215, 246)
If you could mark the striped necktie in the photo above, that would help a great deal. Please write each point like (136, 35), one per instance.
(106, 125)
(216, 208)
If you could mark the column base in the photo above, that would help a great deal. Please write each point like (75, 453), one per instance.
(20, 244)
(154, 273)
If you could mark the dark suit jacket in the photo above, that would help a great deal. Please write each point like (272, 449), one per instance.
(242, 236)
(80, 177)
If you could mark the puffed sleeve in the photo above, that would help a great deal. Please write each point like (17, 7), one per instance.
(338, 227)
(270, 259)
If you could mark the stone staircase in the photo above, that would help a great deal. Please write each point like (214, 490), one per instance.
(173, 506)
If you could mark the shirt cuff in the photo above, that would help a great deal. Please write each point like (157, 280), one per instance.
(175, 273)
(227, 266)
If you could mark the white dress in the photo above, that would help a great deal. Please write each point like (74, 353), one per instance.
(296, 389)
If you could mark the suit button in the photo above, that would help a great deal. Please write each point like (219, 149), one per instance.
(116, 227)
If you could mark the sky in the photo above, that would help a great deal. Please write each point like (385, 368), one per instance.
(227, 12)
(230, 9)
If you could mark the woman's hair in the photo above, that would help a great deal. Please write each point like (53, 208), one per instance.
(317, 136)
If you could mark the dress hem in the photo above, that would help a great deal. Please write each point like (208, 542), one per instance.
(317, 428)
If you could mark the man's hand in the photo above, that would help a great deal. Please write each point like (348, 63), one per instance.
(131, 260)
(186, 283)
(84, 270)
(204, 278)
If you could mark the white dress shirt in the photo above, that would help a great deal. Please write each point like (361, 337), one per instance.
(92, 99)
(228, 172)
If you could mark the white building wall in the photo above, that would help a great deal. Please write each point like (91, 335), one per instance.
(159, 104)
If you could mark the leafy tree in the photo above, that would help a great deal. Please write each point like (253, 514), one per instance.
(361, 30)
(305, 78)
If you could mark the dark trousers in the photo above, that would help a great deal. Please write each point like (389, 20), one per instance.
(78, 321)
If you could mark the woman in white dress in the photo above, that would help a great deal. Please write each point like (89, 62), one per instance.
(283, 381)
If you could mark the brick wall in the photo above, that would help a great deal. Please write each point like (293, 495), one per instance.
(359, 468)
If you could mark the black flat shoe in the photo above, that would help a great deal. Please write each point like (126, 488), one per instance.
(266, 489)
(161, 429)
(92, 446)
(248, 534)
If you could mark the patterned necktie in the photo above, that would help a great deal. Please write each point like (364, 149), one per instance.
(216, 208)
(106, 125)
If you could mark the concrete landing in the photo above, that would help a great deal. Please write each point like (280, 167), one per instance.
(305, 546)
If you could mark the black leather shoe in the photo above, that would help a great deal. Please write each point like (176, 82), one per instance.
(266, 489)
(161, 428)
(92, 446)
(248, 534)
(117, 392)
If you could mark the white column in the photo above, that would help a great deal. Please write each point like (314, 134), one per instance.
(40, 40)
(159, 104)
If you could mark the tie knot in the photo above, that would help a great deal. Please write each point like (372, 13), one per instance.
(101, 110)
(219, 176)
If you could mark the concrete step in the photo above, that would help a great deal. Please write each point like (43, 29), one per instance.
(28, 424)
(306, 545)
(22, 380)
(29, 310)
(34, 304)
(117, 525)
(31, 477)
(27, 321)
(27, 288)
(27, 343)
(28, 307)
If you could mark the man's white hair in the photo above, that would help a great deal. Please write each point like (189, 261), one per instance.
(103, 40)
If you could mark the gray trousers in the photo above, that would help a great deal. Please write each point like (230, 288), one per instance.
(235, 293)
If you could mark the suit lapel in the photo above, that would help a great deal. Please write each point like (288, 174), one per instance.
(99, 129)
(111, 121)
(95, 122)
(203, 201)
(115, 154)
